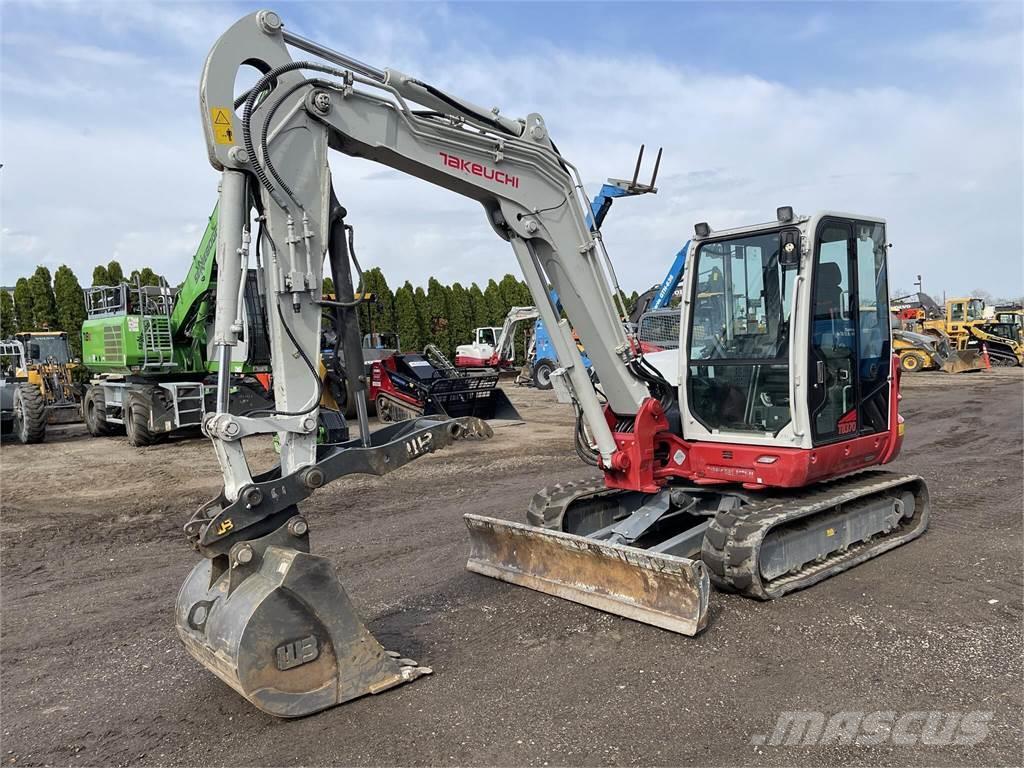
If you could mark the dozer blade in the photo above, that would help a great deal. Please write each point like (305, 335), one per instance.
(283, 633)
(664, 590)
(963, 362)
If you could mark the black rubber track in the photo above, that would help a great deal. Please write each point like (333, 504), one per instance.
(731, 546)
(732, 543)
(548, 505)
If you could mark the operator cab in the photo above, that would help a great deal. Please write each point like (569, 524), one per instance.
(488, 336)
(799, 305)
(46, 347)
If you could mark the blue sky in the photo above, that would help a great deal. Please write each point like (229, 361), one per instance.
(912, 111)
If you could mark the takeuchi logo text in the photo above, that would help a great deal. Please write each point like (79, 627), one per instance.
(478, 169)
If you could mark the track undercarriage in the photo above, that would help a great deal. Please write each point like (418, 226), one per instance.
(676, 540)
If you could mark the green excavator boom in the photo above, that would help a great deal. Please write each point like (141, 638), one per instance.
(134, 329)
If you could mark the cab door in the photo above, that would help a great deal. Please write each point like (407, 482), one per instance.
(956, 314)
(850, 338)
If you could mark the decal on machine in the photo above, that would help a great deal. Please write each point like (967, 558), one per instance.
(223, 129)
(297, 652)
(848, 423)
(419, 445)
(476, 169)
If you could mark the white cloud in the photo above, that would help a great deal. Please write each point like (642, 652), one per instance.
(91, 54)
(120, 167)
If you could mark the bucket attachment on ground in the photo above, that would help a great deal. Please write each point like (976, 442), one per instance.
(660, 589)
(963, 361)
(272, 620)
(280, 629)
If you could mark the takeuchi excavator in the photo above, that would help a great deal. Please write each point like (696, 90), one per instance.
(494, 348)
(744, 458)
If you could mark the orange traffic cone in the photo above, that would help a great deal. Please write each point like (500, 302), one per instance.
(985, 357)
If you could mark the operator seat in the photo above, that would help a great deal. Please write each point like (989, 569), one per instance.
(833, 340)
(828, 294)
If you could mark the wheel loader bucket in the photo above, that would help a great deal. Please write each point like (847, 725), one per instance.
(963, 362)
(664, 590)
(283, 633)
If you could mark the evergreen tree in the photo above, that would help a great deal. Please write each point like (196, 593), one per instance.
(379, 314)
(328, 286)
(23, 305)
(438, 314)
(70, 306)
(494, 305)
(115, 273)
(7, 322)
(149, 277)
(514, 293)
(426, 335)
(461, 318)
(478, 307)
(100, 276)
(407, 318)
(44, 304)
(145, 276)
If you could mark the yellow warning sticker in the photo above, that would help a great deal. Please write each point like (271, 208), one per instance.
(223, 127)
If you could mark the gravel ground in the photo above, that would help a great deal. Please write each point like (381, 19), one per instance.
(93, 674)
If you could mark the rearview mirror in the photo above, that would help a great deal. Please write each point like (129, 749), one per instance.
(789, 255)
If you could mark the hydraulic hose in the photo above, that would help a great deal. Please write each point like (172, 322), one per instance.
(250, 102)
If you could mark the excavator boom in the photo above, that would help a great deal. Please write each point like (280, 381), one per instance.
(260, 611)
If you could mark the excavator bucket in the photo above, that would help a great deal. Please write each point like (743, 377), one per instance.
(282, 631)
(963, 361)
(660, 589)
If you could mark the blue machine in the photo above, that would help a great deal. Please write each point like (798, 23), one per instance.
(545, 361)
(660, 296)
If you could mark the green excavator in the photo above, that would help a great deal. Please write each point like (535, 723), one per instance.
(147, 351)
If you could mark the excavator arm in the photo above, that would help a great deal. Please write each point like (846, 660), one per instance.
(504, 347)
(260, 611)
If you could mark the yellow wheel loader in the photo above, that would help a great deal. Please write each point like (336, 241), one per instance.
(965, 324)
(38, 385)
(933, 352)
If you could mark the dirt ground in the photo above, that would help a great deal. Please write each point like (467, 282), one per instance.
(93, 673)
